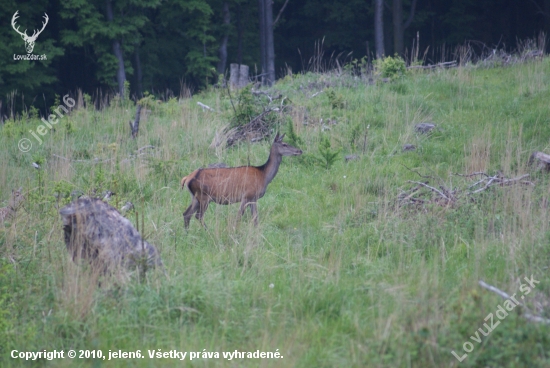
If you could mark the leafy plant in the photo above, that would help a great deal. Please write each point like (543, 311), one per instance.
(293, 138)
(245, 109)
(336, 99)
(391, 67)
(328, 155)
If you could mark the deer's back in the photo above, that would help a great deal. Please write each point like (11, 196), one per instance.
(228, 185)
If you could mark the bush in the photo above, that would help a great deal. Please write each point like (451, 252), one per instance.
(391, 67)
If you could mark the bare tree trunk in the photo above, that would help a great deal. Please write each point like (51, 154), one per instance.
(398, 34)
(239, 36)
(117, 50)
(379, 28)
(269, 43)
(139, 74)
(222, 51)
(263, 56)
(399, 26)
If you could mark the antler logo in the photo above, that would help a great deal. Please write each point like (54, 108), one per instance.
(29, 40)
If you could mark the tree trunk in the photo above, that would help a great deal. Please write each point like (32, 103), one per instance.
(239, 36)
(399, 26)
(379, 28)
(222, 51)
(269, 43)
(117, 50)
(398, 32)
(263, 56)
(139, 74)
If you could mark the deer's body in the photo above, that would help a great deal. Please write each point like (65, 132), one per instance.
(9, 211)
(245, 184)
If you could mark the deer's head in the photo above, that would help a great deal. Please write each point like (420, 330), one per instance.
(283, 148)
(29, 40)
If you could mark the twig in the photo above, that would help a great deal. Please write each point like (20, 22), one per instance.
(206, 107)
(448, 64)
(429, 187)
(94, 161)
(417, 173)
(315, 94)
(145, 147)
(528, 316)
(280, 12)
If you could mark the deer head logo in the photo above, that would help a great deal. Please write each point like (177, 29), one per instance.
(29, 40)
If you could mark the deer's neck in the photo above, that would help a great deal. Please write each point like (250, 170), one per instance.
(271, 167)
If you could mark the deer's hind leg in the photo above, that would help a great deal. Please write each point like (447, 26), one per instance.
(194, 207)
(202, 209)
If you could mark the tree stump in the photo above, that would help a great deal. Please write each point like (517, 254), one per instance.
(238, 77)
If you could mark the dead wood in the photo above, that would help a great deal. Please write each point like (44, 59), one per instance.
(526, 313)
(424, 128)
(135, 126)
(96, 232)
(540, 160)
(442, 195)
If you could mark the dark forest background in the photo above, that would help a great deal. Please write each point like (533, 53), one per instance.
(160, 46)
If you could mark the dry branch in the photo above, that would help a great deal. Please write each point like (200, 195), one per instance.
(445, 196)
(528, 316)
(448, 64)
(205, 107)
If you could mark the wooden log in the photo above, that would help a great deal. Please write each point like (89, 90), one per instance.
(541, 160)
(135, 126)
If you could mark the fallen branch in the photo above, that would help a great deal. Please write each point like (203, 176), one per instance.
(205, 107)
(315, 94)
(447, 64)
(429, 187)
(528, 316)
(452, 196)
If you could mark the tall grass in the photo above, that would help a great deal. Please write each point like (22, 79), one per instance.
(336, 273)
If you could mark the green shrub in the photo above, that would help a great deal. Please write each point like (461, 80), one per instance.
(391, 67)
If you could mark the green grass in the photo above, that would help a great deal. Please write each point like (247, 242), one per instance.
(336, 274)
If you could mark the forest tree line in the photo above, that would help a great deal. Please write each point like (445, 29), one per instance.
(162, 45)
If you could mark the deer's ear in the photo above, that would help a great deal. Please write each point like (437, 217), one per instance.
(281, 137)
(276, 137)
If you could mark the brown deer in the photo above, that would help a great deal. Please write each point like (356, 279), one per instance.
(9, 211)
(245, 184)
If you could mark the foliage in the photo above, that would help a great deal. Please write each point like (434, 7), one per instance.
(336, 99)
(291, 136)
(391, 67)
(328, 155)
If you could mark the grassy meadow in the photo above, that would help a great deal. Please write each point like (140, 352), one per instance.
(339, 272)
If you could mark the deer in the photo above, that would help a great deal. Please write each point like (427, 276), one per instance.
(15, 200)
(29, 40)
(244, 184)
